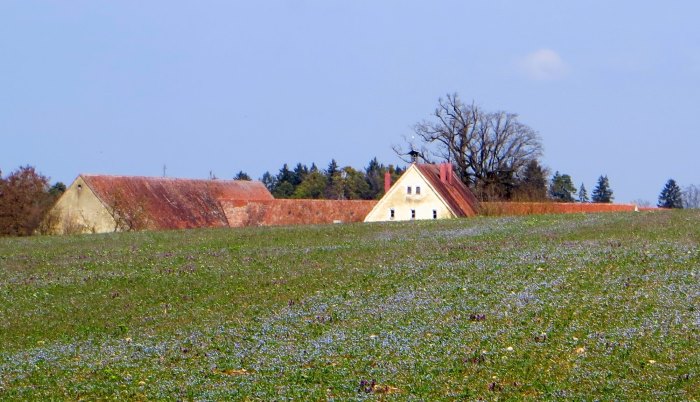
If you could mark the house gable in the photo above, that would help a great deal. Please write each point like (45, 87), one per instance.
(424, 192)
(79, 210)
(421, 202)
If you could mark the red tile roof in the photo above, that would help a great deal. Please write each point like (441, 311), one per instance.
(460, 199)
(176, 203)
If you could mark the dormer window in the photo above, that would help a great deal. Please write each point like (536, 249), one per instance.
(408, 190)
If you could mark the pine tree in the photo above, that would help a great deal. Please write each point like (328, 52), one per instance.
(602, 193)
(269, 181)
(671, 196)
(562, 188)
(299, 174)
(583, 194)
(332, 169)
(284, 183)
(532, 185)
(241, 175)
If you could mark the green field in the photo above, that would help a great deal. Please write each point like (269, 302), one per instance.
(599, 306)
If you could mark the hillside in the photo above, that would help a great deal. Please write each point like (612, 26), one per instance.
(561, 306)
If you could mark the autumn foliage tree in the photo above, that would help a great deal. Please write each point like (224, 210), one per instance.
(24, 200)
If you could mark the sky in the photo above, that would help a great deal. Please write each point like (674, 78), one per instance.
(127, 87)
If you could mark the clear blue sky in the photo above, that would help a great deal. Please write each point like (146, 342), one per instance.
(124, 87)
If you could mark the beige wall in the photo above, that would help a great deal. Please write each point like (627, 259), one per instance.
(80, 211)
(398, 198)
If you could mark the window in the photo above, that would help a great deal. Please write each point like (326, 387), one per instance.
(434, 213)
(408, 190)
(413, 214)
(391, 213)
(417, 190)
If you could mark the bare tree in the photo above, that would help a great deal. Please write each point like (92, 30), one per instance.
(128, 216)
(488, 149)
(642, 203)
(691, 196)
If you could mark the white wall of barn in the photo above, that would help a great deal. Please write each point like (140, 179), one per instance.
(80, 211)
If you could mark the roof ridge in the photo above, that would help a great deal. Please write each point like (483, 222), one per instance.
(118, 176)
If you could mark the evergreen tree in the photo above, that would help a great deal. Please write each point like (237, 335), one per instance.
(671, 196)
(269, 181)
(374, 175)
(241, 175)
(583, 194)
(300, 172)
(285, 174)
(284, 183)
(562, 188)
(57, 189)
(332, 169)
(602, 193)
(532, 184)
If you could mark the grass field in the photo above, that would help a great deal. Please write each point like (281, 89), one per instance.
(599, 306)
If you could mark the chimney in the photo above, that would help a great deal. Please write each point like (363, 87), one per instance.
(449, 173)
(387, 182)
(443, 173)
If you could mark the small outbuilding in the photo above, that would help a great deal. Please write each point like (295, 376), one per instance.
(425, 191)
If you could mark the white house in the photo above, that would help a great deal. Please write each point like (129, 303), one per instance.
(425, 191)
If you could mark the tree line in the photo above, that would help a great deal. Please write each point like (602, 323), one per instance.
(493, 153)
(333, 182)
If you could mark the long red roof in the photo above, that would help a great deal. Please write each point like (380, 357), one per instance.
(455, 193)
(170, 203)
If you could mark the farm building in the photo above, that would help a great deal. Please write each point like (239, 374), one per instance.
(100, 203)
(425, 191)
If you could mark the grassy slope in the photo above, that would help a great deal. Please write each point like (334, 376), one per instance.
(312, 311)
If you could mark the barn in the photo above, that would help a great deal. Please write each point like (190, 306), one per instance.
(102, 203)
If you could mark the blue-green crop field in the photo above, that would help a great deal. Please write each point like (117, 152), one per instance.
(584, 307)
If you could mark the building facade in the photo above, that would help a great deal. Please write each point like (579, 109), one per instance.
(425, 191)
